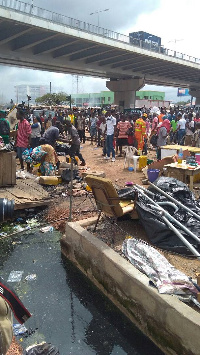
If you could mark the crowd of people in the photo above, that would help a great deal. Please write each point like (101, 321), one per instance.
(108, 129)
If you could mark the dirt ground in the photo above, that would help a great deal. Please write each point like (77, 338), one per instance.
(112, 234)
(113, 170)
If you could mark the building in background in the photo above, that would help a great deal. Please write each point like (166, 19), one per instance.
(101, 99)
(106, 98)
(23, 91)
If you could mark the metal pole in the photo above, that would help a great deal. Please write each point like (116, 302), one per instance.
(70, 102)
(184, 240)
(173, 219)
(175, 201)
(71, 188)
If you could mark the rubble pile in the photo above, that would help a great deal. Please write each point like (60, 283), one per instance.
(15, 348)
(58, 215)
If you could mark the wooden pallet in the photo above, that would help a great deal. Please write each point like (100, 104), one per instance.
(26, 194)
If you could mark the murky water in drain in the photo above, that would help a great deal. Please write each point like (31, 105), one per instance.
(68, 311)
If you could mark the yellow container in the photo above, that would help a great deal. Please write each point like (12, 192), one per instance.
(88, 188)
(76, 158)
(50, 180)
(142, 162)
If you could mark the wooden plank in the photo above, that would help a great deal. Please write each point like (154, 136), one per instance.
(32, 204)
(26, 194)
(7, 168)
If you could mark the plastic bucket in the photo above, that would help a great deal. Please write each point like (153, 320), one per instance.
(152, 174)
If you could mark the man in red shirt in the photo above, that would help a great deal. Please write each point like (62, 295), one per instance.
(123, 127)
(23, 137)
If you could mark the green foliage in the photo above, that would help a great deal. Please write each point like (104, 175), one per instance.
(182, 103)
(53, 99)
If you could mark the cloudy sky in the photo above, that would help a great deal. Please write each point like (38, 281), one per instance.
(175, 21)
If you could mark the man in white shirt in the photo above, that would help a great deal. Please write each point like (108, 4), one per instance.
(181, 128)
(110, 129)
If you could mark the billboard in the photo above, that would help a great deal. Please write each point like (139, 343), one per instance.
(183, 92)
(145, 37)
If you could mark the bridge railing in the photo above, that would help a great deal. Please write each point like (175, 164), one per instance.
(35, 11)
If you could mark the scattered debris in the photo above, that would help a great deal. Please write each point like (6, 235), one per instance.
(31, 277)
(19, 329)
(47, 229)
(15, 348)
(15, 276)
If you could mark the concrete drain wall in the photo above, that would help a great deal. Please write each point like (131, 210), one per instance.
(168, 322)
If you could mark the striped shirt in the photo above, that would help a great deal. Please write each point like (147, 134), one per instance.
(123, 129)
(23, 133)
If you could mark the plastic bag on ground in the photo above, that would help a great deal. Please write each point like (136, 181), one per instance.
(148, 260)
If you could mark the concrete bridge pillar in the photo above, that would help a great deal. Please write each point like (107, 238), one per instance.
(195, 93)
(125, 91)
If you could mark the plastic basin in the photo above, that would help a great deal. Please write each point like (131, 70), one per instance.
(152, 174)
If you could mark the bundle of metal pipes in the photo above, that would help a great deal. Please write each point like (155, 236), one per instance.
(168, 219)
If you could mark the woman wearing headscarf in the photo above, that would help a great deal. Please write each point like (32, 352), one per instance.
(163, 132)
(46, 155)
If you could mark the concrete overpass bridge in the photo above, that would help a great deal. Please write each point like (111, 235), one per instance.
(32, 37)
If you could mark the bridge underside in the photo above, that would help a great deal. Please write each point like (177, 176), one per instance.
(31, 42)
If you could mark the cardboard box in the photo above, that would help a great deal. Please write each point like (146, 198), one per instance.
(7, 168)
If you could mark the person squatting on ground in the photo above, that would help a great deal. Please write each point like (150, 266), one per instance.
(49, 160)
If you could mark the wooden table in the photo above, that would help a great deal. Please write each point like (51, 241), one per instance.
(169, 150)
(184, 169)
